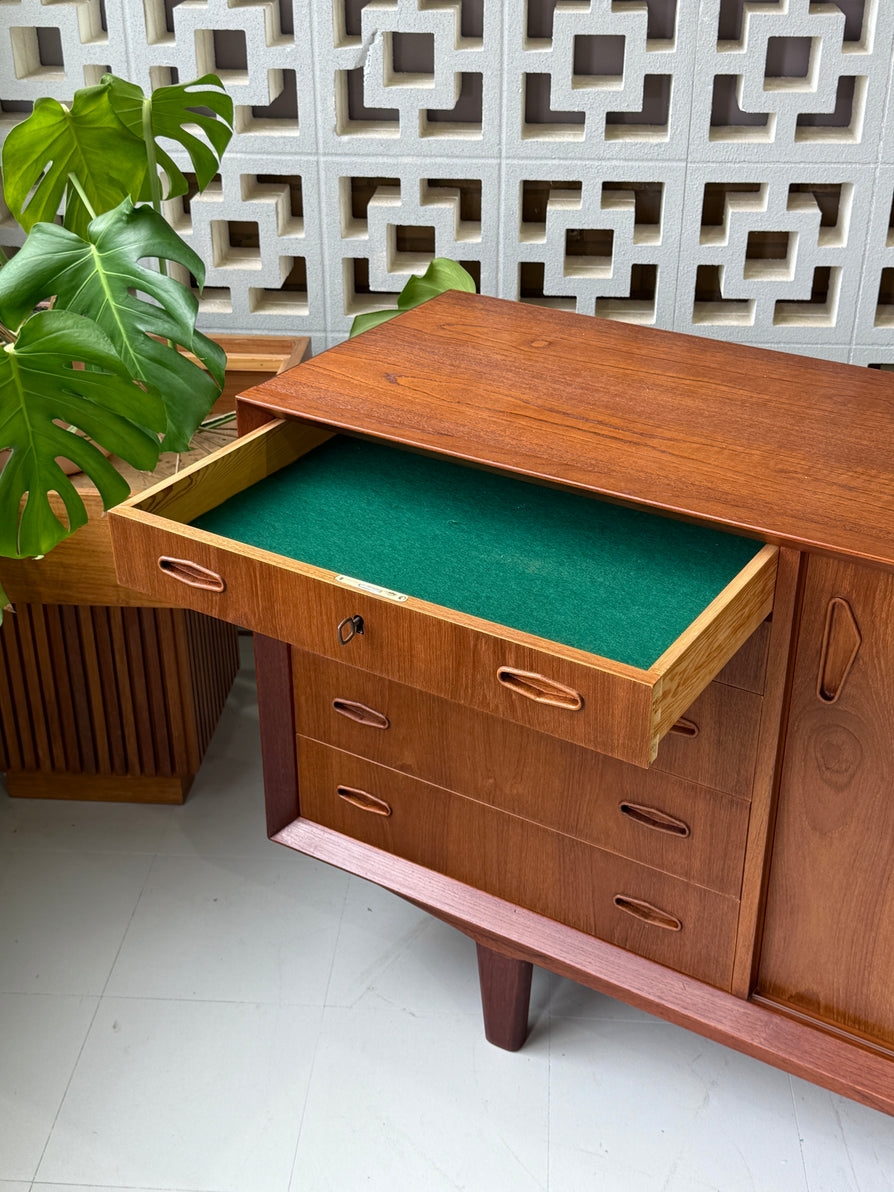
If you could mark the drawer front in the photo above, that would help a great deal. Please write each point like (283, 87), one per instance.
(451, 656)
(684, 926)
(652, 817)
(607, 705)
(714, 744)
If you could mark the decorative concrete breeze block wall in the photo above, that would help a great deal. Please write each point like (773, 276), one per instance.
(721, 167)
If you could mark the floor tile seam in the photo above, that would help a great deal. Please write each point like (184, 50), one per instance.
(385, 1007)
(310, 1077)
(133, 911)
(64, 1095)
(258, 1003)
(84, 852)
(800, 1132)
(208, 855)
(317, 1041)
(96, 1009)
(49, 1185)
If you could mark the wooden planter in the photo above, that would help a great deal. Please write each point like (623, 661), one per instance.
(105, 695)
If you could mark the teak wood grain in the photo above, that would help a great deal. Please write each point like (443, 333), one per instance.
(624, 710)
(802, 1048)
(713, 745)
(507, 813)
(554, 874)
(828, 945)
(109, 702)
(715, 431)
(561, 786)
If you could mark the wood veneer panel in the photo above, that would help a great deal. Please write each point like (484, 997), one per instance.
(87, 695)
(98, 788)
(766, 771)
(273, 665)
(554, 874)
(540, 778)
(704, 429)
(756, 1030)
(748, 666)
(714, 744)
(828, 945)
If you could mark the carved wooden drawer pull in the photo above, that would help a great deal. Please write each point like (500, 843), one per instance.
(364, 800)
(191, 573)
(361, 713)
(841, 641)
(651, 817)
(647, 913)
(685, 728)
(540, 689)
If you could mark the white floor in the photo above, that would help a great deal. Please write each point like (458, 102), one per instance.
(184, 1005)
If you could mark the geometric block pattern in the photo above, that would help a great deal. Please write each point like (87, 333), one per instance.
(791, 77)
(772, 253)
(722, 167)
(612, 73)
(595, 242)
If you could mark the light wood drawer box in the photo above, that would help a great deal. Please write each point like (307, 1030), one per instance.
(653, 914)
(611, 706)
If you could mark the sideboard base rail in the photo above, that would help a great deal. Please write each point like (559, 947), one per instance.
(841, 1065)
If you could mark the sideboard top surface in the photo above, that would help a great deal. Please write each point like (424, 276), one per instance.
(791, 449)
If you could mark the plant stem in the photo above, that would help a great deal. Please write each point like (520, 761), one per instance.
(75, 182)
(152, 159)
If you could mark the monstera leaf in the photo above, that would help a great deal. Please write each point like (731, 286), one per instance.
(172, 112)
(108, 139)
(87, 140)
(39, 388)
(99, 276)
(442, 274)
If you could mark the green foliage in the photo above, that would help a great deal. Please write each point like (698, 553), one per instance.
(442, 274)
(169, 112)
(95, 277)
(39, 387)
(104, 360)
(108, 139)
(87, 140)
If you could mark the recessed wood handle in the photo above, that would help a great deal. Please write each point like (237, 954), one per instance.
(191, 573)
(651, 817)
(841, 642)
(540, 689)
(361, 713)
(647, 913)
(363, 800)
(684, 728)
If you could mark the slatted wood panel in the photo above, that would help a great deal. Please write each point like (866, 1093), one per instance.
(93, 695)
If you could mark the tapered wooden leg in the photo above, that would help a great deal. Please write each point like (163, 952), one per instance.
(505, 995)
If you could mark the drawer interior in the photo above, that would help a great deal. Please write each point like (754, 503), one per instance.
(617, 582)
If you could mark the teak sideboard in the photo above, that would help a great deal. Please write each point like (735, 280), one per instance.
(579, 635)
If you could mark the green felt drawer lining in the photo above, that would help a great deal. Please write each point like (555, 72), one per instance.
(620, 583)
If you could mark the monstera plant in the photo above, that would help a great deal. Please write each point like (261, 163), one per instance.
(442, 274)
(90, 319)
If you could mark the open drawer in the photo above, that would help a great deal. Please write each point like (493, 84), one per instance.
(589, 621)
